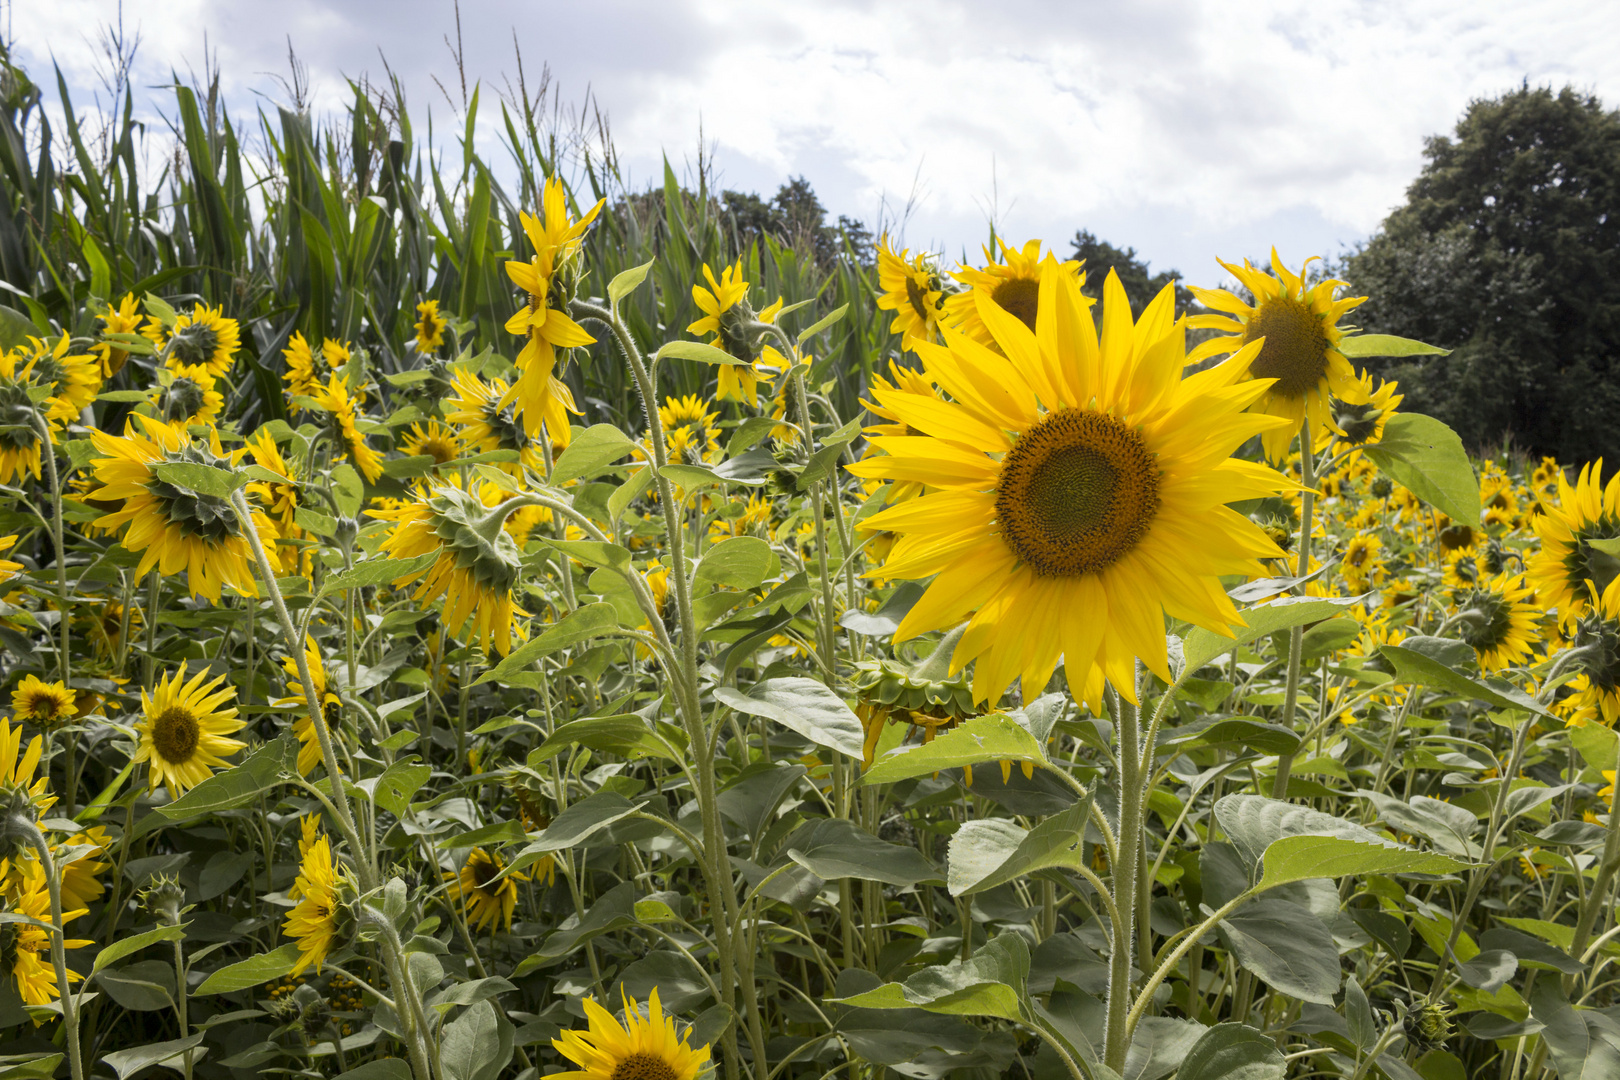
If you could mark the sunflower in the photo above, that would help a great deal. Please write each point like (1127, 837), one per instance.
(74, 378)
(122, 319)
(1013, 286)
(174, 527)
(429, 327)
(912, 289)
(185, 732)
(1362, 566)
(307, 370)
(309, 743)
(1359, 415)
(344, 410)
(727, 315)
(81, 882)
(485, 900)
(548, 281)
(1497, 619)
(315, 921)
(1594, 692)
(17, 767)
(187, 400)
(8, 568)
(1079, 491)
(19, 437)
(477, 564)
(488, 422)
(437, 441)
(640, 1049)
(1461, 568)
(1300, 332)
(47, 705)
(691, 430)
(1568, 567)
(25, 948)
(754, 520)
(202, 343)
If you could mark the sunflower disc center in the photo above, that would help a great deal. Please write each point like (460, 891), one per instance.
(643, 1067)
(1295, 352)
(919, 303)
(1076, 492)
(175, 734)
(1020, 297)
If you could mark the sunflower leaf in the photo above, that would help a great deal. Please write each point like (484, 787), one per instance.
(628, 281)
(235, 787)
(802, 705)
(203, 479)
(696, 350)
(591, 451)
(1369, 345)
(1201, 646)
(1427, 457)
(997, 737)
(1415, 668)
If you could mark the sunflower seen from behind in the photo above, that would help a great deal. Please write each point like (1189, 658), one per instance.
(320, 917)
(185, 730)
(641, 1048)
(123, 319)
(1497, 618)
(430, 326)
(20, 439)
(343, 408)
(25, 947)
(910, 286)
(484, 415)
(1298, 327)
(1077, 491)
(203, 343)
(727, 315)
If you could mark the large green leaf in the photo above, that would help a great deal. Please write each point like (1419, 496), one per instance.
(997, 737)
(833, 848)
(591, 451)
(1300, 858)
(1369, 345)
(740, 562)
(1415, 667)
(581, 624)
(990, 983)
(1428, 458)
(477, 1044)
(237, 786)
(254, 971)
(574, 826)
(1201, 646)
(987, 852)
(625, 734)
(1233, 1052)
(1287, 946)
(1253, 823)
(802, 705)
(375, 572)
(696, 350)
(1584, 1044)
(117, 950)
(126, 1063)
(202, 479)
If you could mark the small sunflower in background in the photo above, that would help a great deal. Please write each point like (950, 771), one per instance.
(309, 743)
(309, 370)
(1078, 489)
(485, 901)
(910, 286)
(74, 378)
(202, 343)
(175, 528)
(1461, 568)
(123, 319)
(1497, 619)
(316, 921)
(727, 315)
(1013, 285)
(430, 326)
(1299, 325)
(1568, 568)
(1359, 416)
(691, 429)
(642, 1048)
(27, 959)
(185, 730)
(435, 440)
(488, 423)
(46, 705)
(343, 408)
(19, 436)
(187, 400)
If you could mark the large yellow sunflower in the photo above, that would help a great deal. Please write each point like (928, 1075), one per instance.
(343, 409)
(1013, 286)
(642, 1048)
(314, 921)
(123, 319)
(477, 564)
(74, 378)
(204, 342)
(548, 281)
(174, 527)
(1299, 325)
(1497, 618)
(437, 441)
(1079, 490)
(309, 743)
(1568, 567)
(47, 705)
(484, 900)
(185, 730)
(726, 315)
(25, 948)
(488, 422)
(429, 327)
(911, 288)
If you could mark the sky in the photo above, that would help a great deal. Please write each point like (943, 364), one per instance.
(1188, 130)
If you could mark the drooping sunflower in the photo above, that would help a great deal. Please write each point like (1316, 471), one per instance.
(185, 730)
(174, 527)
(309, 370)
(1079, 490)
(19, 437)
(17, 767)
(691, 429)
(48, 705)
(1568, 567)
(342, 407)
(477, 564)
(912, 289)
(429, 327)
(726, 315)
(548, 280)
(202, 343)
(1013, 285)
(316, 920)
(1497, 618)
(484, 900)
(488, 422)
(187, 400)
(123, 319)
(309, 743)
(25, 948)
(437, 441)
(1299, 325)
(642, 1048)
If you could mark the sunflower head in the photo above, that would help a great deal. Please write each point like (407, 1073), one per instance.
(641, 1048)
(323, 919)
(123, 319)
(203, 342)
(729, 316)
(435, 440)
(912, 288)
(1359, 417)
(185, 730)
(1570, 572)
(46, 705)
(1497, 620)
(20, 396)
(1013, 285)
(893, 691)
(188, 400)
(430, 326)
(488, 897)
(21, 794)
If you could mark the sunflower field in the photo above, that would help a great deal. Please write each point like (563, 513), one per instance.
(460, 633)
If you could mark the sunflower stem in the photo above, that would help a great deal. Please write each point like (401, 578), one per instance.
(20, 825)
(1296, 636)
(1132, 800)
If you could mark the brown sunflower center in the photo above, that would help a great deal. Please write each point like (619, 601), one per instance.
(438, 449)
(919, 302)
(483, 873)
(175, 734)
(643, 1066)
(1077, 491)
(1295, 352)
(1020, 297)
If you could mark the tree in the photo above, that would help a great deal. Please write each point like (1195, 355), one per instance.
(1507, 251)
(1141, 285)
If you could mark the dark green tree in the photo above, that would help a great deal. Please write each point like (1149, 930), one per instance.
(1508, 252)
(1141, 284)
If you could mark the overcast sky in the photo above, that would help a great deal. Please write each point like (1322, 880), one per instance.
(1188, 130)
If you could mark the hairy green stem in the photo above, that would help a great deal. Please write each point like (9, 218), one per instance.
(1296, 636)
(58, 936)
